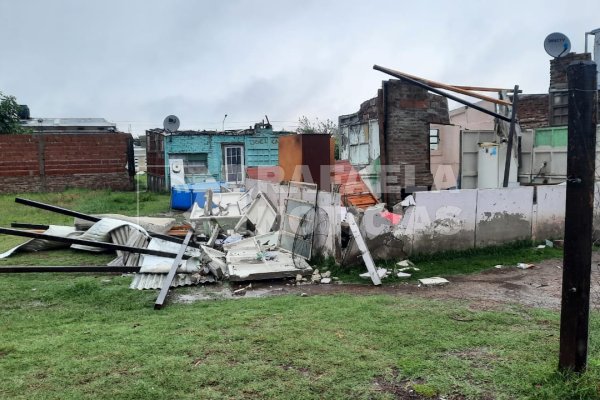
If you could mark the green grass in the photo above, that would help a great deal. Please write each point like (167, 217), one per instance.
(86, 201)
(453, 262)
(86, 336)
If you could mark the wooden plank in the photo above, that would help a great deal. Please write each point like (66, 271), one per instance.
(485, 89)
(162, 296)
(447, 87)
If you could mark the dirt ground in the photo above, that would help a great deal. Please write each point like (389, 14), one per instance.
(539, 286)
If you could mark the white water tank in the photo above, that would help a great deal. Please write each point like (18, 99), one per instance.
(491, 159)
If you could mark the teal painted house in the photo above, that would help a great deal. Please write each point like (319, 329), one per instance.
(207, 156)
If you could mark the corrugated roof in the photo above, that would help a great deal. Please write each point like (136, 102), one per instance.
(155, 281)
(68, 122)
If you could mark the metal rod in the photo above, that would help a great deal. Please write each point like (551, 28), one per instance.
(441, 93)
(76, 214)
(483, 89)
(511, 135)
(28, 226)
(162, 296)
(581, 160)
(91, 243)
(16, 269)
(56, 209)
(435, 84)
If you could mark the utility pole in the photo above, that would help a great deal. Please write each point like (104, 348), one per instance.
(581, 160)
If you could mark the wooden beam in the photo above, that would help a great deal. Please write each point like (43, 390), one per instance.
(441, 93)
(444, 86)
(485, 89)
(579, 213)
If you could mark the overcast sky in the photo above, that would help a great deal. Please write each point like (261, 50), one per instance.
(134, 62)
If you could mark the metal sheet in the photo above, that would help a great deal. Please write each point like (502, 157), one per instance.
(155, 281)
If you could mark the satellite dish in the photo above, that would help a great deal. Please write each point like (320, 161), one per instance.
(557, 44)
(171, 123)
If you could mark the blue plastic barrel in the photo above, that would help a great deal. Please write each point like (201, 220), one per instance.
(199, 191)
(181, 197)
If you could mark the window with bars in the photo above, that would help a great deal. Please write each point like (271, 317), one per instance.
(434, 139)
(559, 108)
(193, 164)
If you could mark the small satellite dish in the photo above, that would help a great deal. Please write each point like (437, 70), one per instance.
(557, 45)
(171, 123)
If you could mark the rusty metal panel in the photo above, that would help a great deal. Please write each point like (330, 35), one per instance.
(301, 157)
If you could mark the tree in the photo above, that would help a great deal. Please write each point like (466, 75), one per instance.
(9, 115)
(327, 127)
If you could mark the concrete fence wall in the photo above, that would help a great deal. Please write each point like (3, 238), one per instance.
(471, 218)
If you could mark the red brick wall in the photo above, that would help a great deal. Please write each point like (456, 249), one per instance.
(407, 113)
(54, 162)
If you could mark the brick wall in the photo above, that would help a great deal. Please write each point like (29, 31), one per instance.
(54, 162)
(408, 111)
(533, 110)
(558, 69)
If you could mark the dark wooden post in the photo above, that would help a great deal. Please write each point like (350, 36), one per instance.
(511, 135)
(581, 160)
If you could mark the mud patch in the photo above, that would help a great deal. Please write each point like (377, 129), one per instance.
(407, 389)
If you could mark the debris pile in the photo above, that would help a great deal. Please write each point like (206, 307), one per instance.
(233, 236)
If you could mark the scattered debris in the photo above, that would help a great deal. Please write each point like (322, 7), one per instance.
(435, 281)
(525, 266)
(403, 275)
(499, 266)
(325, 280)
(541, 246)
(549, 243)
(381, 274)
(406, 264)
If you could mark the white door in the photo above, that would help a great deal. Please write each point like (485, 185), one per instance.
(234, 163)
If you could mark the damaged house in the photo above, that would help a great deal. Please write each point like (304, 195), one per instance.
(191, 157)
(394, 130)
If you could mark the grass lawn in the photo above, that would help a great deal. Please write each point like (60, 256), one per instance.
(89, 336)
(72, 336)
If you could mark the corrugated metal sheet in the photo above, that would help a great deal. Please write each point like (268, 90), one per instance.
(155, 281)
(353, 190)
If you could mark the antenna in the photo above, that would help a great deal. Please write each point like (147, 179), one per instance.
(557, 44)
(171, 123)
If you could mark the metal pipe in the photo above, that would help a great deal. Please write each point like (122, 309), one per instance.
(441, 93)
(18, 269)
(76, 214)
(91, 243)
(448, 87)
